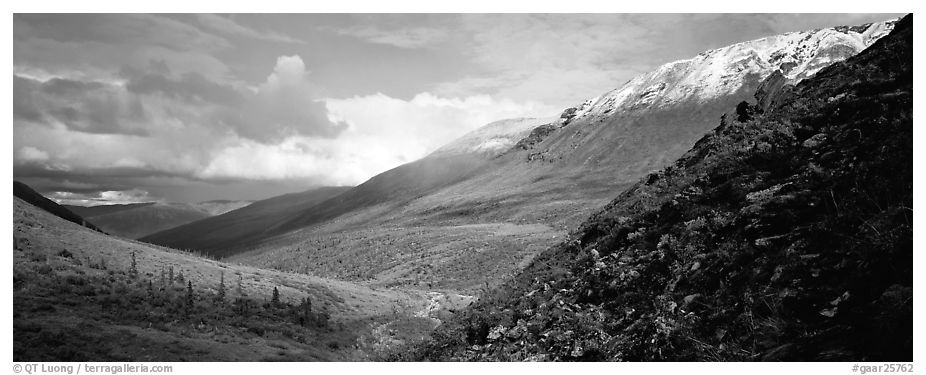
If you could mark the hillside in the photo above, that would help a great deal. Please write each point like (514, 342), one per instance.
(232, 228)
(137, 220)
(219, 206)
(77, 297)
(482, 218)
(143, 219)
(91, 211)
(24, 192)
(784, 234)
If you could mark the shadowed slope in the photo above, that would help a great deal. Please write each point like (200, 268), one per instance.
(231, 229)
(24, 192)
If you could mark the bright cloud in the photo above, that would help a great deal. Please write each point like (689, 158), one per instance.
(382, 133)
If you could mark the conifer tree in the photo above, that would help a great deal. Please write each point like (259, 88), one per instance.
(220, 297)
(189, 296)
(275, 299)
(133, 270)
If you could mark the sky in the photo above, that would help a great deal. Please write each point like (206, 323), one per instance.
(118, 108)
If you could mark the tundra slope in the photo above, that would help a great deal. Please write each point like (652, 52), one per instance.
(784, 234)
(397, 229)
(77, 297)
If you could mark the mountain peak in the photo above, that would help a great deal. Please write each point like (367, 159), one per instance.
(722, 71)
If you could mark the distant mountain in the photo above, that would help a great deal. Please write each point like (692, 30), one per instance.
(24, 192)
(144, 219)
(104, 209)
(785, 234)
(242, 225)
(219, 206)
(141, 219)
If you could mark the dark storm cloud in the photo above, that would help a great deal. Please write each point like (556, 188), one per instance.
(90, 107)
(145, 29)
(89, 175)
(188, 86)
(269, 114)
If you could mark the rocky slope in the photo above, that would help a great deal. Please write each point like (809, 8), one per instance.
(784, 234)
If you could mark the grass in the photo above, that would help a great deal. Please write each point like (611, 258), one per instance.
(68, 278)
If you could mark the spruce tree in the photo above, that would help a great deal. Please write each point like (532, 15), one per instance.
(275, 299)
(133, 270)
(220, 297)
(189, 296)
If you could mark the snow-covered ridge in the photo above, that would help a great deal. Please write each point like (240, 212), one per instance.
(493, 138)
(725, 70)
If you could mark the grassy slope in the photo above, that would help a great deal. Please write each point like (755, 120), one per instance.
(74, 298)
(24, 192)
(780, 236)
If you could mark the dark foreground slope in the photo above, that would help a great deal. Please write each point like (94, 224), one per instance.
(786, 234)
(24, 192)
(233, 228)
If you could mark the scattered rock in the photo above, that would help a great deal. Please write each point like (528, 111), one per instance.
(815, 141)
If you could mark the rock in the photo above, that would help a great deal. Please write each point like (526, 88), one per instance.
(815, 141)
(536, 358)
(569, 112)
(496, 333)
(771, 89)
(689, 300)
(695, 266)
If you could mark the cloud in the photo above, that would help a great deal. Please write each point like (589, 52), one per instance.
(32, 154)
(228, 26)
(382, 133)
(191, 86)
(404, 37)
(153, 100)
(283, 106)
(90, 107)
(100, 197)
(96, 46)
